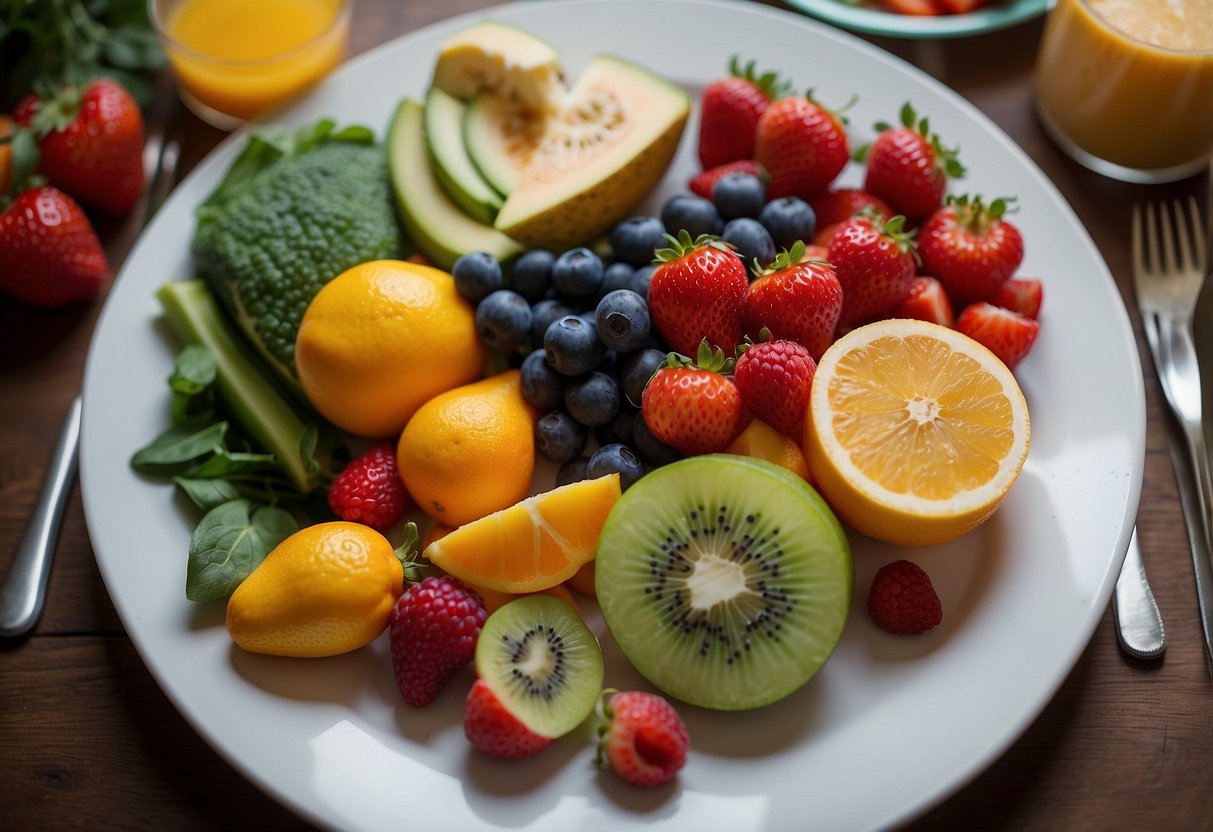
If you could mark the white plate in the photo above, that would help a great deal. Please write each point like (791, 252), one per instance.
(888, 728)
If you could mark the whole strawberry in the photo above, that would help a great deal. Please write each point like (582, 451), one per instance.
(775, 378)
(697, 291)
(641, 737)
(908, 166)
(839, 205)
(432, 632)
(729, 112)
(91, 141)
(902, 599)
(691, 406)
(795, 299)
(701, 184)
(1003, 332)
(802, 146)
(493, 730)
(875, 263)
(49, 254)
(970, 248)
(369, 489)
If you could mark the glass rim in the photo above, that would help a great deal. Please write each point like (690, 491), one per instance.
(1092, 10)
(341, 12)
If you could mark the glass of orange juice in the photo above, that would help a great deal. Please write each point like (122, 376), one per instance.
(1126, 86)
(234, 59)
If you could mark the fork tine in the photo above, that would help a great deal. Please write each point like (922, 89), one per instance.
(1169, 263)
(1198, 237)
(1139, 260)
(1152, 248)
(1186, 255)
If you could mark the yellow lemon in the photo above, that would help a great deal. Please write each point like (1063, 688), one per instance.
(381, 339)
(915, 433)
(326, 589)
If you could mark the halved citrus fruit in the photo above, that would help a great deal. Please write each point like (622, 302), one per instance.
(532, 545)
(916, 433)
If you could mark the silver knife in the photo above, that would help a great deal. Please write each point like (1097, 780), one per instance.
(1139, 625)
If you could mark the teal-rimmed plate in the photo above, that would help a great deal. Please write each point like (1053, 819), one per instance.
(999, 15)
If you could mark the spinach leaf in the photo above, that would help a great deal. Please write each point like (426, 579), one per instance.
(193, 384)
(175, 451)
(207, 494)
(229, 543)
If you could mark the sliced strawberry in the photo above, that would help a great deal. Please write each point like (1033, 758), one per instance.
(703, 182)
(926, 301)
(1007, 334)
(1020, 294)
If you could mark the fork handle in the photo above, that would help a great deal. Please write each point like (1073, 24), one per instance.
(1193, 481)
(1139, 626)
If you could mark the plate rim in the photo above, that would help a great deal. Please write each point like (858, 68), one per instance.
(889, 24)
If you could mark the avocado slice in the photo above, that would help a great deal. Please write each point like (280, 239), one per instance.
(449, 160)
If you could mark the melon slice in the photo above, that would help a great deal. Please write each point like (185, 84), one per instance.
(500, 136)
(599, 157)
(458, 176)
(502, 59)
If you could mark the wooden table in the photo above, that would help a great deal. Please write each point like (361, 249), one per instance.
(91, 742)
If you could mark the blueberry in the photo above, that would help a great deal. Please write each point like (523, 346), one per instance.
(636, 370)
(739, 195)
(635, 239)
(690, 213)
(753, 242)
(559, 437)
(572, 471)
(789, 219)
(641, 280)
(542, 386)
(571, 346)
(594, 399)
(651, 449)
(577, 273)
(608, 364)
(622, 320)
(617, 276)
(531, 276)
(477, 275)
(544, 313)
(615, 458)
(503, 320)
(618, 429)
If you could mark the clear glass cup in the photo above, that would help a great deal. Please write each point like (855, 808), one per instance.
(1125, 87)
(235, 59)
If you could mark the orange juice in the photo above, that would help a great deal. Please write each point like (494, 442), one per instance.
(239, 57)
(1127, 85)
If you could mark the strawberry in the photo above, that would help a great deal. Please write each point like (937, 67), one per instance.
(902, 600)
(49, 254)
(432, 632)
(970, 248)
(691, 406)
(908, 167)
(875, 263)
(1007, 334)
(961, 6)
(774, 379)
(1020, 294)
(703, 182)
(802, 146)
(641, 737)
(926, 301)
(843, 203)
(697, 291)
(795, 299)
(369, 490)
(918, 8)
(729, 112)
(492, 729)
(91, 141)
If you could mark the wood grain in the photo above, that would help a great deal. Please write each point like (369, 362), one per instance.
(92, 743)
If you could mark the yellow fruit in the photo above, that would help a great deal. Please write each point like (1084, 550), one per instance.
(326, 589)
(470, 451)
(583, 580)
(381, 339)
(536, 544)
(916, 433)
(494, 600)
(761, 441)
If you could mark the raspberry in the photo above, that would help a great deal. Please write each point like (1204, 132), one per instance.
(641, 737)
(774, 379)
(493, 730)
(902, 600)
(432, 633)
(369, 490)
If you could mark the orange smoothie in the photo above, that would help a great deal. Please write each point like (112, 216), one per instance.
(1130, 82)
(239, 57)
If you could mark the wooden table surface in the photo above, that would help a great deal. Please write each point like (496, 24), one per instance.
(91, 742)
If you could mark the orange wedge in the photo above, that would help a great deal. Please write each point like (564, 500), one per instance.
(761, 441)
(916, 433)
(532, 545)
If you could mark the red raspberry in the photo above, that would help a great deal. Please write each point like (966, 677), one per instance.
(774, 379)
(641, 737)
(902, 600)
(432, 632)
(369, 490)
(493, 730)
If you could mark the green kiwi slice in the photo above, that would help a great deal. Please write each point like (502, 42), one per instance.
(543, 663)
(725, 580)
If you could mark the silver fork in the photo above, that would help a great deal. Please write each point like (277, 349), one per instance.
(1168, 273)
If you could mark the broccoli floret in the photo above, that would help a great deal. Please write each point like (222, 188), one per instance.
(266, 242)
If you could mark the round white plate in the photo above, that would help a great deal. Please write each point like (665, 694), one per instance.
(891, 725)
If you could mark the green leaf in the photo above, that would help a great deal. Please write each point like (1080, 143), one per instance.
(194, 370)
(207, 494)
(225, 463)
(229, 543)
(175, 450)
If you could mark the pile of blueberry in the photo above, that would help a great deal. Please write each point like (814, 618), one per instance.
(579, 322)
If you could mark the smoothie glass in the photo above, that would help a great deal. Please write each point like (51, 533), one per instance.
(1125, 87)
(234, 59)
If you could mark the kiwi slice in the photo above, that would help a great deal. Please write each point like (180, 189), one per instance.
(725, 580)
(542, 662)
